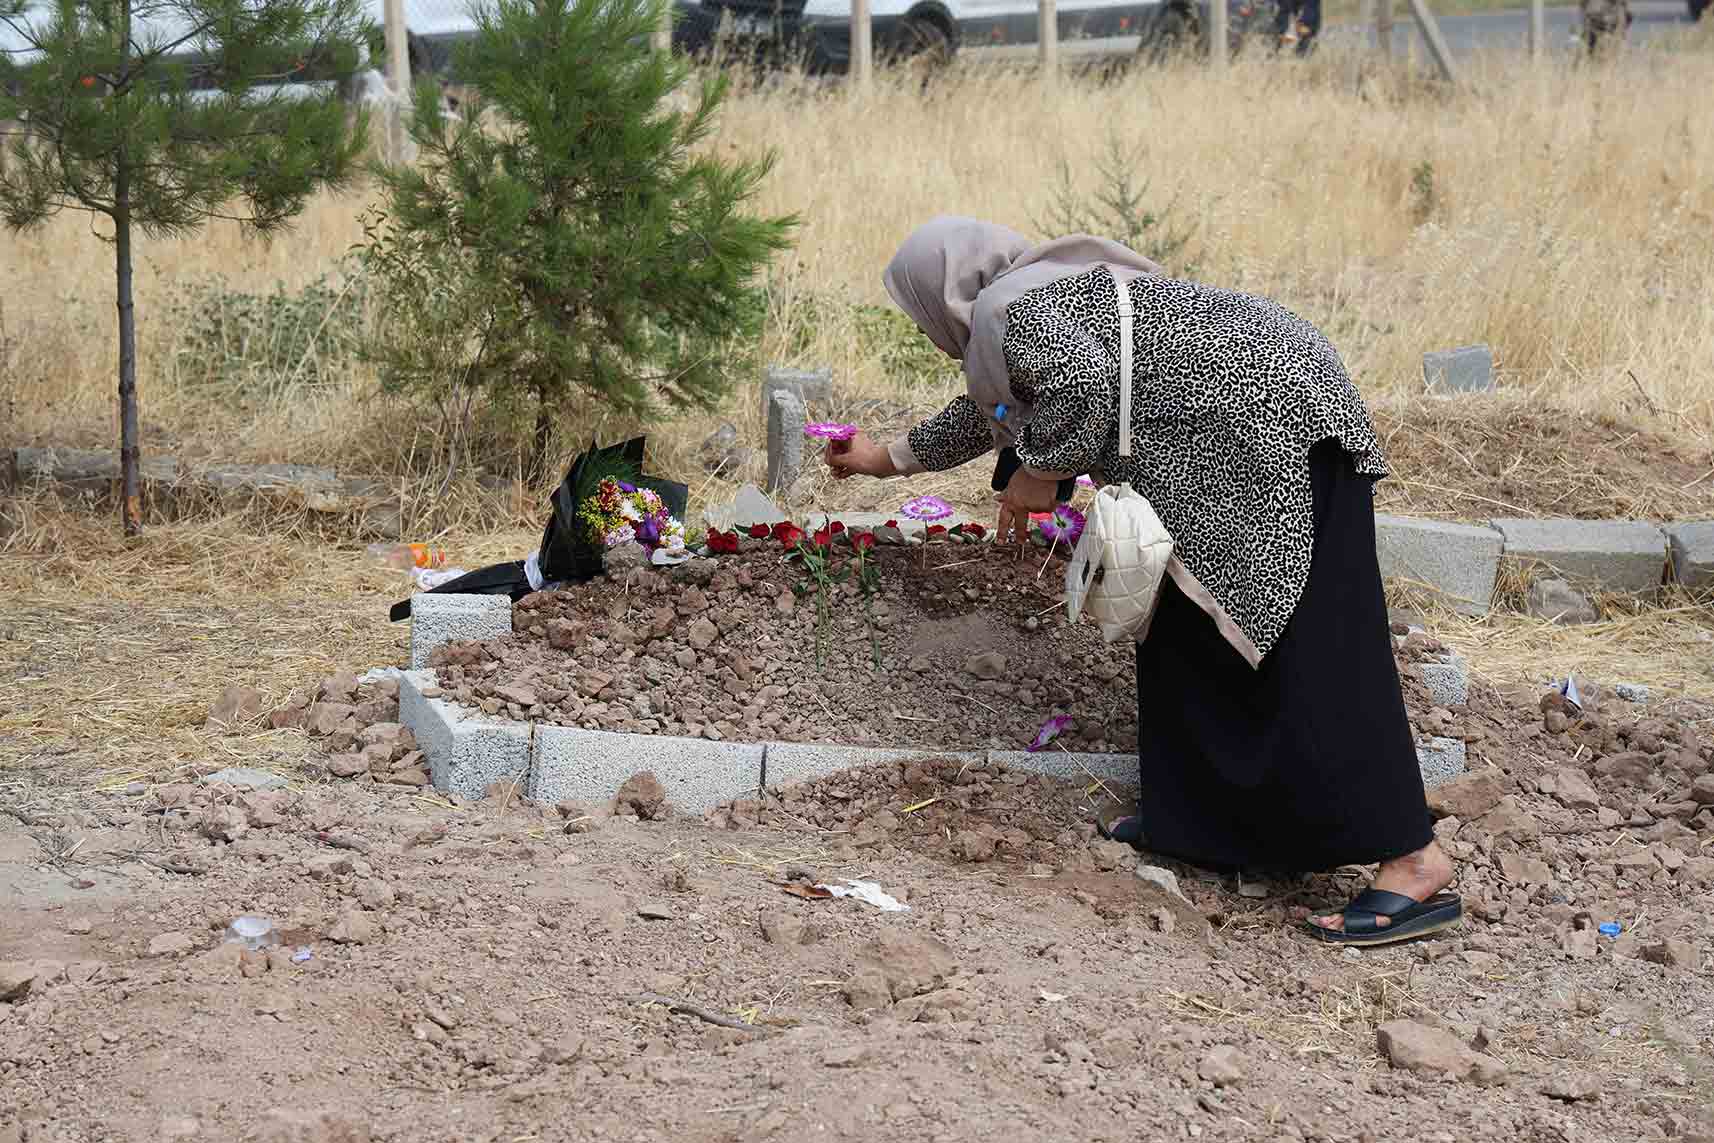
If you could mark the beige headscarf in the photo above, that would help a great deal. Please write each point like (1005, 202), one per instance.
(956, 277)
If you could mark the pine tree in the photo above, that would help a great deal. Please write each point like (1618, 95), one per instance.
(160, 115)
(564, 232)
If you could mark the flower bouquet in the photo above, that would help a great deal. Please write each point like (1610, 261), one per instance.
(621, 513)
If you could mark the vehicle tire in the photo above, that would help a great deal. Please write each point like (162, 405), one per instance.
(1170, 32)
(923, 45)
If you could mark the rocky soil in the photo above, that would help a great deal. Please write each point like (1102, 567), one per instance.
(973, 652)
(499, 971)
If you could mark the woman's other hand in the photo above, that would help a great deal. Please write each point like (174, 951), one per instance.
(1024, 494)
(859, 456)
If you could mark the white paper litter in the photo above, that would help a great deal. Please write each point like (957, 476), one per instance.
(1053, 997)
(428, 578)
(376, 674)
(869, 893)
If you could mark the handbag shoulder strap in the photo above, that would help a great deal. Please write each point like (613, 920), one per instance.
(1125, 361)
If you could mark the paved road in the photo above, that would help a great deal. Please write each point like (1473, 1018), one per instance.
(1488, 30)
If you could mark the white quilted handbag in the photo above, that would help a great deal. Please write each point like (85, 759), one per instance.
(1116, 571)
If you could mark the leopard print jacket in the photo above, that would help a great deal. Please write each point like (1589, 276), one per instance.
(1229, 394)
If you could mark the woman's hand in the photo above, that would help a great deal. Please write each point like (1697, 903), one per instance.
(859, 456)
(1024, 494)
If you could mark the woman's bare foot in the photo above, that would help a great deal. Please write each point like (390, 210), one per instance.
(1418, 875)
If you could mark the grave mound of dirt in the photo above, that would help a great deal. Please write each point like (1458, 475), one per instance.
(963, 647)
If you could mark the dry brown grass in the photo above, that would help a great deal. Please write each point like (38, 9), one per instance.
(1564, 215)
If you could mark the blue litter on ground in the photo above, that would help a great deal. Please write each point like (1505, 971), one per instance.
(1609, 928)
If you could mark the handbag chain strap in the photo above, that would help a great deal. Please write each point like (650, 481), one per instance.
(1125, 355)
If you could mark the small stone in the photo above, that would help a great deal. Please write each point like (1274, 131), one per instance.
(1632, 692)
(566, 1051)
(1509, 821)
(328, 866)
(1467, 796)
(1702, 790)
(171, 944)
(16, 978)
(376, 894)
(643, 795)
(523, 696)
(1674, 952)
(353, 928)
(1410, 1046)
(1555, 722)
(973, 846)
(781, 928)
(236, 707)
(1572, 789)
(702, 633)
(323, 718)
(245, 778)
(1572, 1089)
(1164, 879)
(987, 665)
(656, 911)
(347, 765)
(1222, 1066)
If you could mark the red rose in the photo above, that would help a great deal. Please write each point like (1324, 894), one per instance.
(976, 530)
(864, 540)
(836, 527)
(722, 543)
(936, 530)
(890, 524)
(822, 538)
(759, 531)
(788, 535)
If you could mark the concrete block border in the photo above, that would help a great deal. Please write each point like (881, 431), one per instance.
(466, 751)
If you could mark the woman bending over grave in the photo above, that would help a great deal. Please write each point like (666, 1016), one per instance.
(1273, 734)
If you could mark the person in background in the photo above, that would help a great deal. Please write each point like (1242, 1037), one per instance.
(1273, 734)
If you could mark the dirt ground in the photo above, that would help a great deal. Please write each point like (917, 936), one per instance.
(482, 971)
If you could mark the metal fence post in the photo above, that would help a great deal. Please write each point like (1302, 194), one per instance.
(1538, 29)
(1384, 30)
(1219, 47)
(1433, 39)
(862, 44)
(398, 76)
(1047, 39)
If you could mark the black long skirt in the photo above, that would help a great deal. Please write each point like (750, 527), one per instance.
(1303, 764)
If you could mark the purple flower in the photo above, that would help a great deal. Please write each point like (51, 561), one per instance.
(649, 530)
(1050, 730)
(623, 487)
(1063, 525)
(1085, 482)
(926, 508)
(830, 430)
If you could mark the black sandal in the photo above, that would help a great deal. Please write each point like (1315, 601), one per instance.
(1121, 821)
(1409, 918)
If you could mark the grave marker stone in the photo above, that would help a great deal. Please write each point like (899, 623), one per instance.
(785, 439)
(1468, 369)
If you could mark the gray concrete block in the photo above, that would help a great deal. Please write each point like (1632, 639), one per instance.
(1619, 555)
(785, 420)
(591, 765)
(437, 619)
(1457, 562)
(1467, 369)
(1448, 680)
(1440, 760)
(1117, 770)
(810, 386)
(467, 751)
(787, 763)
(1692, 545)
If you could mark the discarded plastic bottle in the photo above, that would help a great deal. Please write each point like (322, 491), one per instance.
(404, 557)
(254, 933)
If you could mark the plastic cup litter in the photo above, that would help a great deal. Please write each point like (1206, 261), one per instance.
(1609, 928)
(253, 933)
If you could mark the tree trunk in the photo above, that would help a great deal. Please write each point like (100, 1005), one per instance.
(543, 438)
(130, 478)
